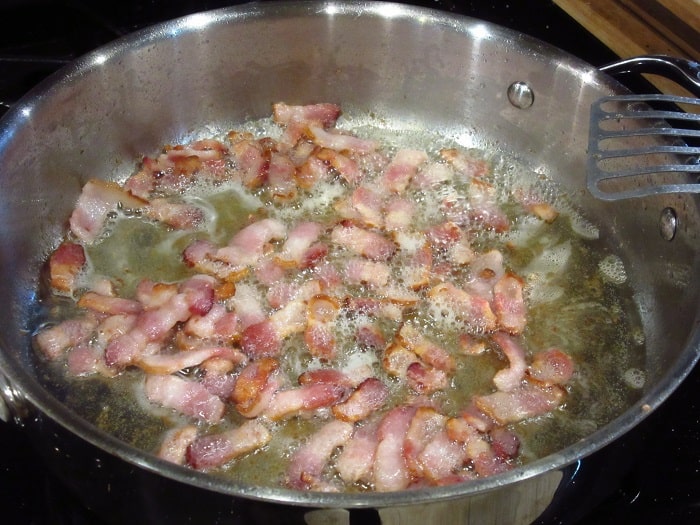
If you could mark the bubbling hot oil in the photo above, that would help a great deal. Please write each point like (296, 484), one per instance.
(577, 301)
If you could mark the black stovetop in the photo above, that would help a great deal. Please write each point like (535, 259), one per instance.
(39, 36)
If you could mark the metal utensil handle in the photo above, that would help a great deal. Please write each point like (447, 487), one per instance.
(685, 73)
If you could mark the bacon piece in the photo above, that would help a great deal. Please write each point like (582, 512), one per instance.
(178, 215)
(475, 442)
(85, 359)
(341, 142)
(374, 274)
(469, 345)
(106, 304)
(508, 303)
(310, 397)
(56, 339)
(319, 336)
(250, 243)
(308, 461)
(251, 160)
(254, 387)
(214, 450)
(432, 175)
(356, 460)
(190, 398)
(368, 397)
(295, 251)
(444, 235)
(323, 114)
(524, 402)
(425, 424)
(510, 378)
(281, 181)
(473, 310)
(485, 271)
(536, 205)
(326, 375)
(65, 264)
(402, 168)
(425, 379)
(97, 199)
(396, 360)
(466, 165)
(175, 443)
(341, 165)
(484, 209)
(150, 326)
(312, 171)
(371, 337)
(171, 363)
(202, 256)
(364, 242)
(505, 444)
(246, 303)
(154, 295)
(217, 323)
(551, 367)
(441, 458)
(198, 292)
(265, 338)
(398, 214)
(390, 470)
(363, 206)
(428, 352)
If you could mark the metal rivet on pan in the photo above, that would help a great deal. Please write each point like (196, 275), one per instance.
(521, 95)
(668, 223)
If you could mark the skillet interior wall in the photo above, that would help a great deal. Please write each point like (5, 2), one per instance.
(122, 103)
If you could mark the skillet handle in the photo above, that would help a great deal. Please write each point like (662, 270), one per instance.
(685, 73)
(12, 403)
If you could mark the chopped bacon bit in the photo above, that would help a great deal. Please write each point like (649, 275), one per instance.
(308, 461)
(180, 216)
(171, 363)
(65, 264)
(368, 243)
(390, 468)
(524, 402)
(215, 450)
(175, 444)
(255, 386)
(323, 114)
(295, 251)
(473, 310)
(341, 142)
(97, 199)
(356, 460)
(368, 397)
(309, 397)
(187, 397)
(509, 304)
(109, 305)
(468, 166)
(551, 367)
(510, 378)
(403, 167)
(54, 340)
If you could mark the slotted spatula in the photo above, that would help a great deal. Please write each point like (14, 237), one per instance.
(640, 145)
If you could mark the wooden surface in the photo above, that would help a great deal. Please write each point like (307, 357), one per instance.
(642, 27)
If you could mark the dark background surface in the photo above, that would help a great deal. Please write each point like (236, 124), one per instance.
(38, 37)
